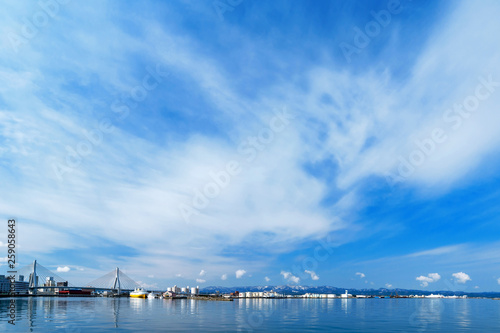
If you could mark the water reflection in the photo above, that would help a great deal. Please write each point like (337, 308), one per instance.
(462, 311)
(428, 313)
(31, 313)
(137, 304)
(116, 311)
(344, 304)
(193, 306)
(360, 305)
(76, 314)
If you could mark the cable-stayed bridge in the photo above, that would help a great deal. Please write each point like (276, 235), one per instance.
(114, 280)
(39, 277)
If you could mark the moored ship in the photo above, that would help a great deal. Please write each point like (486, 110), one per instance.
(139, 293)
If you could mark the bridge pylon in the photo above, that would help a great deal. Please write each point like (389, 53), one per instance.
(33, 280)
(116, 282)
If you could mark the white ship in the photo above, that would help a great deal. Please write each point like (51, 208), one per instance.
(139, 293)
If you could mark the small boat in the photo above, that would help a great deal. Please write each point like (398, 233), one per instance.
(152, 296)
(139, 293)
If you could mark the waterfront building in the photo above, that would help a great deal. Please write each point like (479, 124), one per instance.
(61, 284)
(4, 285)
(20, 286)
(186, 291)
(271, 294)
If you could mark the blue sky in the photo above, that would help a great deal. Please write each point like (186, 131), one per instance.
(352, 144)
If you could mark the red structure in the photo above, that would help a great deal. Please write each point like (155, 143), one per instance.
(75, 292)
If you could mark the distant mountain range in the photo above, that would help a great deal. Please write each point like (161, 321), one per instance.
(300, 290)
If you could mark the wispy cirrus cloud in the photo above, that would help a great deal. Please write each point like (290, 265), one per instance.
(350, 127)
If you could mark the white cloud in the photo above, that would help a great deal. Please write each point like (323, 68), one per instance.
(461, 277)
(361, 275)
(151, 276)
(239, 273)
(223, 277)
(145, 285)
(167, 176)
(498, 280)
(425, 280)
(436, 251)
(290, 277)
(476, 287)
(178, 275)
(434, 276)
(313, 275)
(388, 285)
(202, 272)
(200, 281)
(63, 269)
(267, 279)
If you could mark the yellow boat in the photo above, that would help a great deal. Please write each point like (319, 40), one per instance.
(139, 293)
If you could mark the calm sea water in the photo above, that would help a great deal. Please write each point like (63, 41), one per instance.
(50, 314)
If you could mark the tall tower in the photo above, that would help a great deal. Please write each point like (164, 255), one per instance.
(116, 282)
(33, 280)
